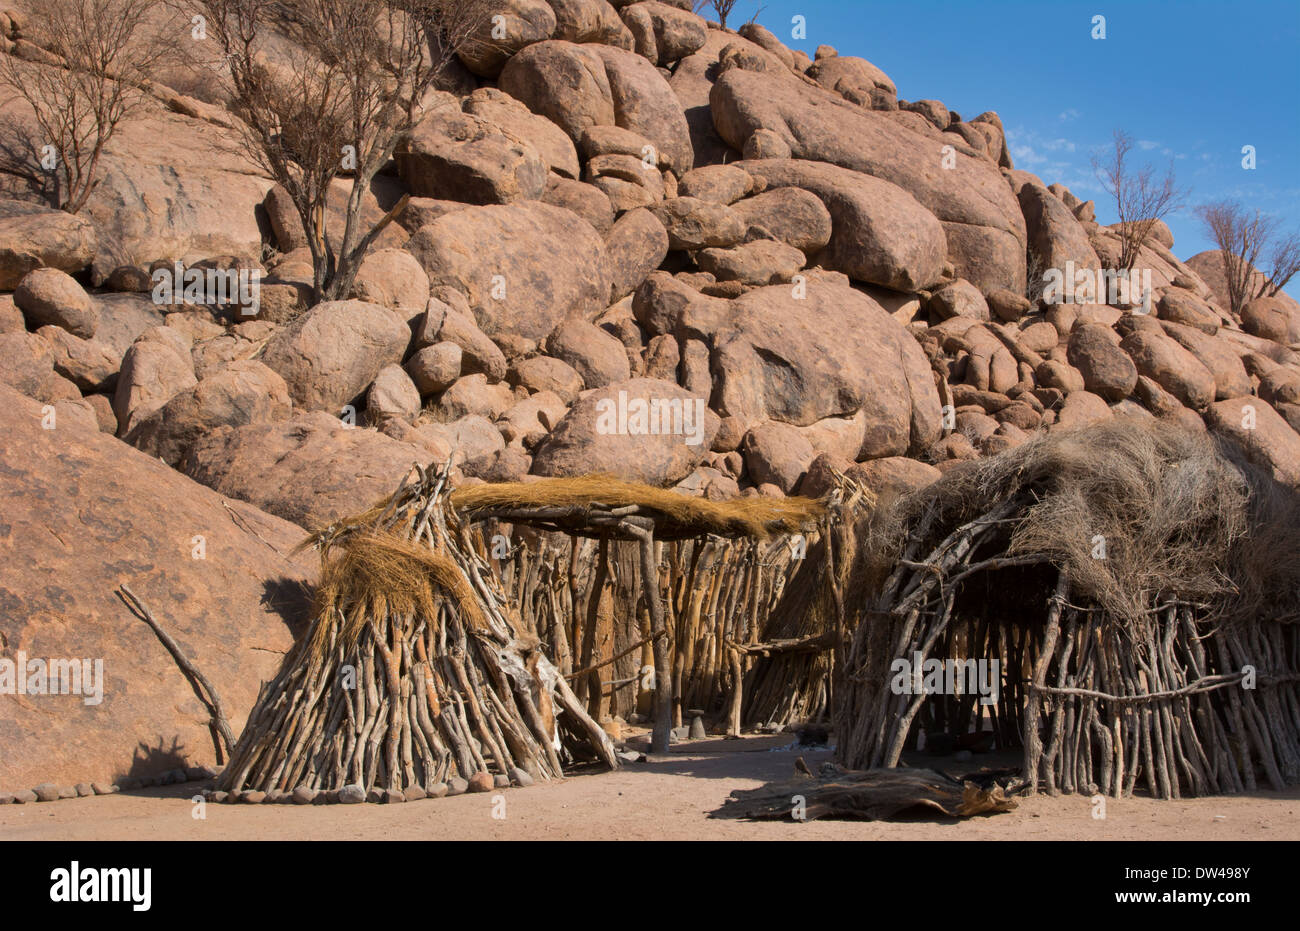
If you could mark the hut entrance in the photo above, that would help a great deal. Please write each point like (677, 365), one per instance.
(1130, 585)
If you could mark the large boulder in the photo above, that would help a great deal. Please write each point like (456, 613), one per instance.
(154, 371)
(636, 245)
(84, 514)
(330, 354)
(1172, 367)
(312, 469)
(495, 40)
(32, 236)
(1261, 431)
(641, 429)
(579, 86)
(982, 219)
(595, 355)
(590, 21)
(1273, 318)
(1230, 377)
(504, 260)
(664, 34)
(1055, 236)
(27, 364)
(455, 155)
(392, 278)
(794, 216)
(47, 296)
(832, 353)
(1107, 370)
(243, 392)
(518, 122)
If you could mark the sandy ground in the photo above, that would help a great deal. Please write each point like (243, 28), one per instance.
(667, 798)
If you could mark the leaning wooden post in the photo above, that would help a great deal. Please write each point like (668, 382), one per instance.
(663, 708)
(1033, 742)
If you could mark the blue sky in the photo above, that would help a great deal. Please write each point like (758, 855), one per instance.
(1191, 80)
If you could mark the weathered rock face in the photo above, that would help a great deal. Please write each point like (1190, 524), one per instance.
(662, 33)
(1262, 432)
(1107, 370)
(243, 392)
(772, 362)
(578, 86)
(1271, 318)
(524, 22)
(522, 267)
(457, 155)
(1055, 236)
(595, 355)
(1171, 366)
(642, 429)
(518, 122)
(32, 236)
(312, 469)
(48, 296)
(982, 219)
(880, 234)
(27, 366)
(635, 246)
(330, 354)
(153, 372)
(85, 513)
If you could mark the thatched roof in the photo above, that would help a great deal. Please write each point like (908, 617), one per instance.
(571, 503)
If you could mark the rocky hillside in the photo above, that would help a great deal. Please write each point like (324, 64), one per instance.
(620, 202)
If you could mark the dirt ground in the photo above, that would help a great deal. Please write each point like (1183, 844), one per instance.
(667, 798)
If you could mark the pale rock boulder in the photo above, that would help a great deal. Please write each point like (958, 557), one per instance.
(330, 354)
(1171, 366)
(1230, 377)
(1080, 409)
(719, 184)
(153, 372)
(760, 262)
(84, 513)
(1261, 431)
(586, 200)
(392, 278)
(1271, 318)
(579, 86)
(894, 476)
(880, 233)
(451, 321)
(244, 392)
(596, 356)
(434, 368)
(530, 421)
(791, 215)
(959, 299)
(516, 121)
(548, 375)
(1055, 236)
(473, 395)
(1106, 368)
(457, 155)
(392, 395)
(525, 22)
(696, 224)
(642, 430)
(1183, 307)
(983, 225)
(47, 296)
(636, 245)
(855, 79)
(27, 366)
(33, 236)
(662, 33)
(772, 361)
(778, 454)
(503, 259)
(312, 469)
(89, 364)
(590, 21)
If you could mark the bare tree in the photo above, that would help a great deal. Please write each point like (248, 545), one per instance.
(1242, 238)
(357, 83)
(721, 9)
(1142, 198)
(107, 53)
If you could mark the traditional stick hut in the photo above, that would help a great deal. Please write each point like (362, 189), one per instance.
(1139, 588)
(414, 669)
(610, 510)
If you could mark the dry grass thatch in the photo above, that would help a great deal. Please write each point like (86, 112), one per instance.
(1138, 588)
(676, 515)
